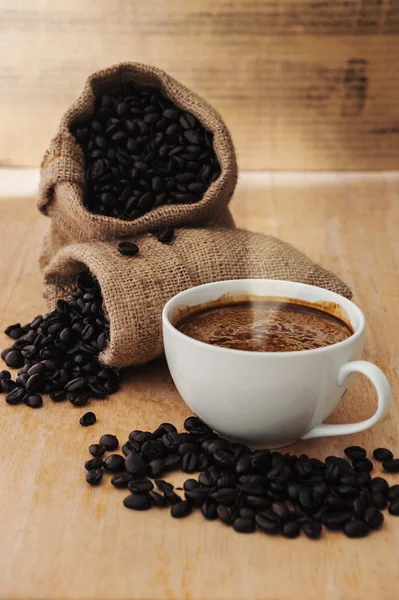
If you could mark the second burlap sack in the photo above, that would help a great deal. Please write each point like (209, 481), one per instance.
(135, 289)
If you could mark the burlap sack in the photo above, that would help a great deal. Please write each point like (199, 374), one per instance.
(63, 174)
(135, 289)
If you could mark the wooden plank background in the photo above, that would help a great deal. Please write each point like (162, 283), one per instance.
(301, 84)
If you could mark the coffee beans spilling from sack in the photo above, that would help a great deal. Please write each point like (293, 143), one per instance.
(269, 491)
(57, 353)
(142, 151)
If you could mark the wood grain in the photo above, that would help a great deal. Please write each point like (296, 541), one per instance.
(302, 85)
(62, 539)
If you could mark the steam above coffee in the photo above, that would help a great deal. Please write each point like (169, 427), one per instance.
(264, 326)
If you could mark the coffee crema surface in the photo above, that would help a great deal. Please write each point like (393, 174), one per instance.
(264, 326)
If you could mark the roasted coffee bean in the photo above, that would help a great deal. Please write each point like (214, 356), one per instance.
(156, 468)
(356, 529)
(152, 449)
(224, 460)
(378, 485)
(157, 499)
(94, 476)
(292, 529)
(373, 518)
(391, 466)
(128, 248)
(191, 484)
(209, 477)
(393, 493)
(281, 510)
(364, 464)
(7, 385)
(94, 463)
(187, 447)
(195, 425)
(140, 486)
(110, 442)
(244, 525)
(355, 452)
(243, 465)
(79, 400)
(189, 462)
(268, 522)
(379, 500)
(15, 396)
(165, 235)
(121, 480)
(114, 463)
(224, 496)
(59, 396)
(336, 520)
(137, 502)
(163, 485)
(225, 514)
(97, 450)
(87, 419)
(382, 454)
(5, 375)
(394, 508)
(34, 401)
(208, 509)
(140, 436)
(181, 509)
(219, 444)
(312, 529)
(168, 427)
(171, 497)
(135, 465)
(171, 441)
(14, 359)
(22, 380)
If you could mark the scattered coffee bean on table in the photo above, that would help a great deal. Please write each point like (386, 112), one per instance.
(391, 466)
(248, 490)
(57, 353)
(382, 454)
(141, 152)
(128, 248)
(88, 419)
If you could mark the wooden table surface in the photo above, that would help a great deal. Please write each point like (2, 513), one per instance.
(60, 538)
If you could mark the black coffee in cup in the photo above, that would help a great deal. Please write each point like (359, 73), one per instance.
(267, 325)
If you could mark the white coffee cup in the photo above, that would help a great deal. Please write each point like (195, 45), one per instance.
(269, 398)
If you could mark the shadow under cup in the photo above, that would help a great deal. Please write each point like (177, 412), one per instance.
(265, 398)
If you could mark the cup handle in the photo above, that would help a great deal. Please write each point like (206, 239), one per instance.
(384, 397)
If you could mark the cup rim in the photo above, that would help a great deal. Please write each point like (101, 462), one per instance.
(288, 353)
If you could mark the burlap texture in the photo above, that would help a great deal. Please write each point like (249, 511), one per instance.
(135, 289)
(63, 171)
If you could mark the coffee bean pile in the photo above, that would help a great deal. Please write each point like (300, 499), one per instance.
(57, 353)
(273, 492)
(141, 152)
